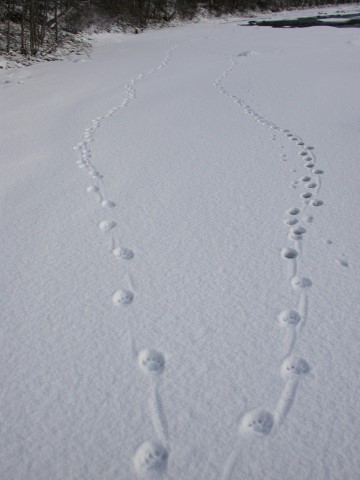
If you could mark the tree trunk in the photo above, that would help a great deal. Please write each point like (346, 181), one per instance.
(23, 16)
(43, 25)
(8, 28)
(33, 21)
(56, 22)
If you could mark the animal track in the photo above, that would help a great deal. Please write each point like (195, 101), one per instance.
(295, 366)
(317, 203)
(108, 203)
(342, 262)
(92, 189)
(95, 174)
(122, 297)
(258, 422)
(291, 221)
(306, 195)
(289, 317)
(297, 233)
(293, 211)
(289, 253)
(106, 226)
(151, 362)
(150, 457)
(301, 282)
(124, 253)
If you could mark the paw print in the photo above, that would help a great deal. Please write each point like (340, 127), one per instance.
(259, 422)
(122, 297)
(295, 366)
(289, 317)
(301, 282)
(124, 253)
(150, 456)
(151, 362)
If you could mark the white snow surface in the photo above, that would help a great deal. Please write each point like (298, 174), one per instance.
(163, 316)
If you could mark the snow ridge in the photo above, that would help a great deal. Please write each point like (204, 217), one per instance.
(151, 457)
(262, 422)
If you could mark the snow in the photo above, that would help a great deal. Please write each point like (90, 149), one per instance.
(179, 306)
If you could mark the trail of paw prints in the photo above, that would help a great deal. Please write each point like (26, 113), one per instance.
(151, 457)
(95, 187)
(293, 320)
(262, 422)
(311, 180)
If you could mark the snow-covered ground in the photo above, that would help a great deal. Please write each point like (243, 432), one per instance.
(185, 304)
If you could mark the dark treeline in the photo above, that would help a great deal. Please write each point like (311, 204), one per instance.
(29, 25)
(30, 22)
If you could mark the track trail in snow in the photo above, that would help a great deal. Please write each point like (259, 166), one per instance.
(151, 457)
(292, 319)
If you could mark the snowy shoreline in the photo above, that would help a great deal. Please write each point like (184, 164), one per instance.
(81, 44)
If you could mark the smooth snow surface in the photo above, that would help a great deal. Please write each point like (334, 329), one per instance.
(180, 292)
